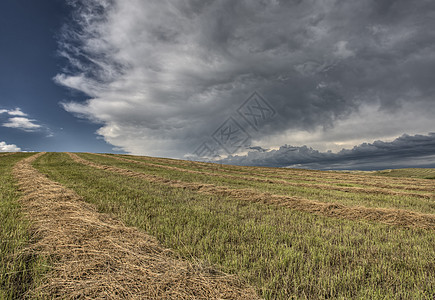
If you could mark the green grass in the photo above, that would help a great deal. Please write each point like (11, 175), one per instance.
(318, 194)
(18, 271)
(282, 252)
(423, 173)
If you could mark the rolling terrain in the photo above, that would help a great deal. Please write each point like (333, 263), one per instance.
(119, 226)
(411, 172)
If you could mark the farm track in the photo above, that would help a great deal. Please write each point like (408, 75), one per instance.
(397, 217)
(96, 256)
(283, 182)
(305, 175)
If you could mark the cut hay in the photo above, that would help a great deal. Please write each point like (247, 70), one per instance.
(398, 217)
(302, 175)
(6, 154)
(95, 256)
(364, 190)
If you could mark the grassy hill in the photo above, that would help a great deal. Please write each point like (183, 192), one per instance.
(288, 233)
(423, 173)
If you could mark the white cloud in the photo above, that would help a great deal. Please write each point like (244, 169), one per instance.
(13, 112)
(21, 123)
(16, 112)
(19, 120)
(9, 148)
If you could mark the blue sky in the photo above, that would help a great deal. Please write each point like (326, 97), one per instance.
(316, 84)
(28, 63)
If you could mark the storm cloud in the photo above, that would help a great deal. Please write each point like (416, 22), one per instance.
(405, 151)
(162, 76)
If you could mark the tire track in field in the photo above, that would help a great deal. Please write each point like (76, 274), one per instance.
(336, 179)
(95, 256)
(399, 217)
(281, 182)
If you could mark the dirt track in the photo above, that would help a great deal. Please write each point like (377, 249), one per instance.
(397, 217)
(95, 256)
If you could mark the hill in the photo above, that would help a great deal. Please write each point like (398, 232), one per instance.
(424, 173)
(130, 226)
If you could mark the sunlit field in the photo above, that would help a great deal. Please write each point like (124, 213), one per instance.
(285, 233)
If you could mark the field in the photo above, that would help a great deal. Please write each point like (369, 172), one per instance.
(412, 172)
(120, 226)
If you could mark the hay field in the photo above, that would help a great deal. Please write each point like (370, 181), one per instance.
(112, 225)
(411, 172)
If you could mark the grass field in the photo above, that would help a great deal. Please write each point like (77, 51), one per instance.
(19, 271)
(381, 247)
(411, 172)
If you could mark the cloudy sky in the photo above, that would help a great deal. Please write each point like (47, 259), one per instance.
(264, 82)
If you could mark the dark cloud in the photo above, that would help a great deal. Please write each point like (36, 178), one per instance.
(162, 77)
(405, 151)
(258, 148)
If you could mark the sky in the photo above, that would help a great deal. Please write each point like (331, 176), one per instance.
(311, 84)
(31, 118)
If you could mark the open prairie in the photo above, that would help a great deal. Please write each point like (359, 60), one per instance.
(82, 225)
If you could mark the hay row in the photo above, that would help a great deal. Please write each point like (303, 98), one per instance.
(284, 182)
(6, 154)
(399, 217)
(307, 175)
(95, 256)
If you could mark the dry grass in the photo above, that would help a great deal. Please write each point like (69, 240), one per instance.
(365, 190)
(6, 154)
(423, 173)
(284, 253)
(397, 217)
(19, 270)
(294, 174)
(95, 256)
